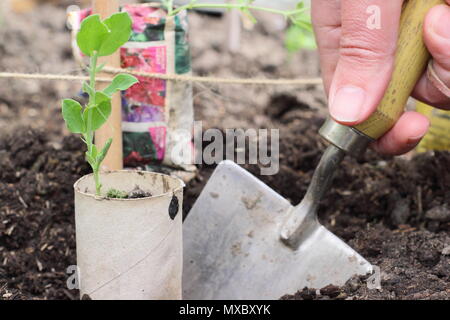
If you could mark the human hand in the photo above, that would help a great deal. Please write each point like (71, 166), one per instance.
(357, 64)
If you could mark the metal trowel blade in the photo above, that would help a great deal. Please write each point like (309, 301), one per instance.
(232, 246)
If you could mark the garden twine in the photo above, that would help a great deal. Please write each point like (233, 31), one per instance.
(169, 77)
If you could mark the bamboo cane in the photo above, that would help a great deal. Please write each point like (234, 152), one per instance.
(113, 127)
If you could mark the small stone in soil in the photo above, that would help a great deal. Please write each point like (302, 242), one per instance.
(428, 257)
(354, 284)
(446, 251)
(439, 213)
(308, 294)
(138, 193)
(330, 291)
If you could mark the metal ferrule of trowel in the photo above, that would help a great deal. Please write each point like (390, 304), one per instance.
(302, 220)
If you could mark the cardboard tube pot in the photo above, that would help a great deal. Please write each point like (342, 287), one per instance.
(129, 248)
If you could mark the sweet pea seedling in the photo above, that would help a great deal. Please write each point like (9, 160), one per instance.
(98, 38)
(245, 6)
(299, 35)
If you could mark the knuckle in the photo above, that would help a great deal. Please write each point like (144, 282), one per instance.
(442, 56)
(329, 37)
(365, 50)
(363, 55)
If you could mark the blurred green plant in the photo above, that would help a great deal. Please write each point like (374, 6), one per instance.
(245, 6)
(300, 34)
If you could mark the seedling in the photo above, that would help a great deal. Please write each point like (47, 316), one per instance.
(98, 38)
(298, 36)
(95, 39)
(116, 194)
(245, 6)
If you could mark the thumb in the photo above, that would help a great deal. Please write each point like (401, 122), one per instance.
(367, 54)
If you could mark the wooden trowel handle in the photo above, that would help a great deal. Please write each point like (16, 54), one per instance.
(411, 60)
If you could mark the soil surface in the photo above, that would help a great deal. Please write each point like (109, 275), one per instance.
(37, 227)
(136, 193)
(395, 212)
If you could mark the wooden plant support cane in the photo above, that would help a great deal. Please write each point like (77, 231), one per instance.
(113, 127)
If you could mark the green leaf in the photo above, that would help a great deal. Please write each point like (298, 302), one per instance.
(119, 25)
(300, 34)
(92, 35)
(94, 152)
(99, 113)
(300, 5)
(101, 97)
(302, 19)
(91, 157)
(120, 82)
(72, 114)
(100, 67)
(101, 156)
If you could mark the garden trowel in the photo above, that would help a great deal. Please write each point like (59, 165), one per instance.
(235, 248)
(244, 241)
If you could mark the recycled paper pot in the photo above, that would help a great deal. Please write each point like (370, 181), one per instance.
(129, 248)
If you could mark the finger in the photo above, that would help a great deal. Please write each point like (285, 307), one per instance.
(405, 135)
(366, 60)
(326, 19)
(437, 39)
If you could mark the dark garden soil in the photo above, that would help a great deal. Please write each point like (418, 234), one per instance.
(395, 212)
(37, 231)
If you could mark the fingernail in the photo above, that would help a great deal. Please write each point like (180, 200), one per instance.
(413, 141)
(347, 104)
(441, 25)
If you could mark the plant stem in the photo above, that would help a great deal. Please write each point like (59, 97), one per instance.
(98, 186)
(169, 7)
(90, 134)
(93, 73)
(286, 14)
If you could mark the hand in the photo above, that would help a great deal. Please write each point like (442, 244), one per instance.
(357, 64)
